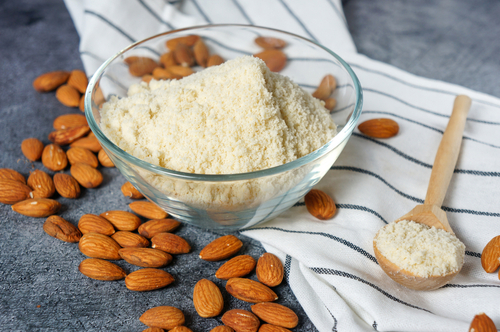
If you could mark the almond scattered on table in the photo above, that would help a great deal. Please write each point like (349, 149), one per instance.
(482, 323)
(148, 210)
(207, 299)
(77, 155)
(241, 320)
(10, 174)
(37, 207)
(104, 159)
(171, 243)
(221, 248)
(379, 128)
(276, 314)
(66, 121)
(68, 95)
(129, 190)
(101, 270)
(32, 148)
(86, 175)
(148, 279)
(165, 317)
(89, 142)
(69, 135)
(153, 329)
(12, 191)
(128, 239)
(145, 257)
(222, 328)
(90, 223)
(97, 245)
(272, 328)
(78, 80)
(156, 226)
(490, 257)
(270, 270)
(249, 290)
(42, 184)
(54, 158)
(122, 220)
(238, 266)
(61, 229)
(66, 185)
(319, 204)
(50, 81)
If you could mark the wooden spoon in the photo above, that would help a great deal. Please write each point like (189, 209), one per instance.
(430, 213)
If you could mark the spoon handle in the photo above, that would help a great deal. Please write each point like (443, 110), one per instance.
(447, 153)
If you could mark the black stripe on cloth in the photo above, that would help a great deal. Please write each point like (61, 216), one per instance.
(337, 11)
(360, 208)
(155, 15)
(334, 328)
(298, 20)
(325, 271)
(243, 12)
(469, 286)
(374, 325)
(288, 264)
(202, 13)
(326, 235)
(472, 253)
(227, 47)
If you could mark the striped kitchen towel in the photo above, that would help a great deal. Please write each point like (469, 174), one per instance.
(330, 265)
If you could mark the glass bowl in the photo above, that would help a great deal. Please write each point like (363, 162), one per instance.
(230, 201)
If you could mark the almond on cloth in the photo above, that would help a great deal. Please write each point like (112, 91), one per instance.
(275, 59)
(145, 257)
(37, 207)
(482, 323)
(148, 210)
(156, 226)
(241, 320)
(66, 185)
(61, 229)
(66, 121)
(379, 128)
(12, 191)
(128, 190)
(128, 239)
(69, 135)
(189, 40)
(89, 142)
(90, 223)
(153, 329)
(97, 245)
(325, 88)
(250, 291)
(50, 81)
(201, 53)
(181, 329)
(54, 157)
(148, 279)
(207, 299)
(32, 148)
(81, 155)
(100, 269)
(142, 66)
(10, 174)
(270, 270)
(221, 248)
(171, 243)
(183, 55)
(165, 317)
(276, 314)
(319, 204)
(68, 95)
(238, 266)
(122, 220)
(86, 175)
(214, 60)
(490, 257)
(78, 80)
(222, 328)
(272, 328)
(42, 184)
(270, 42)
(104, 159)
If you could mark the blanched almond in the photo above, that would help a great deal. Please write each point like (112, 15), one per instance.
(32, 148)
(66, 185)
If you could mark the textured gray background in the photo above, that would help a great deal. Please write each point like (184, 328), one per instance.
(40, 286)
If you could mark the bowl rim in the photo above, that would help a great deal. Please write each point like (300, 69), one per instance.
(344, 133)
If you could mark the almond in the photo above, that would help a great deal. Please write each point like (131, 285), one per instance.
(81, 104)
(148, 279)
(325, 88)
(50, 81)
(130, 59)
(101, 270)
(122, 220)
(276, 314)
(69, 135)
(236, 267)
(201, 54)
(90, 223)
(37, 207)
(86, 175)
(142, 66)
(221, 248)
(490, 258)
(128, 190)
(66, 185)
(54, 158)
(330, 103)
(214, 60)
(275, 59)
(61, 229)
(319, 204)
(222, 328)
(168, 59)
(180, 71)
(12, 191)
(156, 226)
(128, 239)
(270, 42)
(81, 155)
(145, 257)
(379, 128)
(42, 184)
(272, 328)
(269, 270)
(148, 210)
(207, 299)
(163, 74)
(90, 142)
(482, 323)
(10, 174)
(147, 78)
(249, 290)
(241, 320)
(164, 317)
(97, 245)
(32, 148)
(181, 329)
(68, 95)
(183, 55)
(78, 80)
(153, 329)
(187, 40)
(104, 159)
(69, 121)
(171, 243)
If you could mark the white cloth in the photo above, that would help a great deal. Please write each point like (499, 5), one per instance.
(330, 265)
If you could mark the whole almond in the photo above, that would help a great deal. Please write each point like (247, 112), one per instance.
(163, 74)
(379, 128)
(42, 184)
(270, 270)
(148, 210)
(32, 148)
(319, 204)
(61, 229)
(168, 59)
(214, 60)
(238, 266)
(189, 40)
(201, 54)
(54, 158)
(222, 328)
(171, 243)
(142, 66)
(128, 190)
(153, 329)
(490, 257)
(130, 59)
(50, 81)
(482, 323)
(128, 239)
(276, 314)
(10, 174)
(145, 257)
(78, 80)
(221, 248)
(180, 329)
(81, 155)
(101, 270)
(325, 88)
(97, 245)
(330, 103)
(86, 176)
(89, 142)
(69, 135)
(90, 223)
(68, 95)
(164, 317)
(147, 78)
(250, 291)
(104, 159)
(272, 328)
(66, 121)
(156, 226)
(12, 191)
(275, 59)
(270, 42)
(180, 71)
(241, 320)
(37, 207)
(148, 279)
(207, 299)
(66, 185)
(81, 104)
(183, 55)
(122, 220)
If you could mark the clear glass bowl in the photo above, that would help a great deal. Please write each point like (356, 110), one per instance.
(231, 201)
